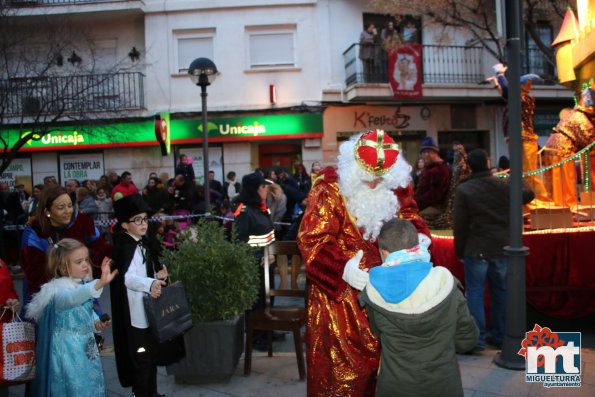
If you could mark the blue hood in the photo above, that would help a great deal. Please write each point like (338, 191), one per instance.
(396, 283)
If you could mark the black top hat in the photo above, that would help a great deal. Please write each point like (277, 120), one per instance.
(250, 185)
(129, 206)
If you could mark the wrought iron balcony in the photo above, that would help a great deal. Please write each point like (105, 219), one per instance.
(72, 95)
(440, 65)
(533, 61)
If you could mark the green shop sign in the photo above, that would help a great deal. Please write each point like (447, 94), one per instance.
(142, 133)
(250, 128)
(81, 137)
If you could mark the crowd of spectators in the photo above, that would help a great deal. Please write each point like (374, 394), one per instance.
(181, 196)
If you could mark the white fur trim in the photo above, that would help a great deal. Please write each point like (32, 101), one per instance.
(41, 299)
(433, 289)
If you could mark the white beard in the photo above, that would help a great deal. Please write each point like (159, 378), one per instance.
(372, 208)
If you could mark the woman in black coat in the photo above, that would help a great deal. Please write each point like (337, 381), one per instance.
(253, 223)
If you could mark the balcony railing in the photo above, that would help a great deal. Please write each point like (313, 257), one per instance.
(533, 61)
(440, 65)
(108, 92)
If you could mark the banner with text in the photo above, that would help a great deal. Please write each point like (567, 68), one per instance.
(19, 171)
(81, 167)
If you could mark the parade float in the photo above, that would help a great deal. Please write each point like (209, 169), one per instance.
(559, 231)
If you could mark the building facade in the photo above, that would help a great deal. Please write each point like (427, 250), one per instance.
(290, 87)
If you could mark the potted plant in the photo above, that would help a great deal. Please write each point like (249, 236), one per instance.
(220, 277)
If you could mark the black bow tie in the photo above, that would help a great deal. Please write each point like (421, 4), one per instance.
(143, 249)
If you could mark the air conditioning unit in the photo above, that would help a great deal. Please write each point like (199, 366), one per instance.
(31, 105)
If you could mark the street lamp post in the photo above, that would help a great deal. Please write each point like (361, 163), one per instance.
(516, 316)
(203, 72)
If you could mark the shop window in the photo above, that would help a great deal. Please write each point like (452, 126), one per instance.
(271, 47)
(189, 43)
(279, 155)
(470, 139)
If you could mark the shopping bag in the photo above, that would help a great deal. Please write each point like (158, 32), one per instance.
(17, 359)
(169, 315)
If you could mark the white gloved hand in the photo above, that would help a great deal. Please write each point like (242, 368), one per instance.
(353, 275)
(424, 240)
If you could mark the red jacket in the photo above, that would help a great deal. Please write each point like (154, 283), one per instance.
(433, 185)
(128, 190)
(7, 291)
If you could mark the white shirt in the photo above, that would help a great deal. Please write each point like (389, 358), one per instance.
(137, 284)
(231, 189)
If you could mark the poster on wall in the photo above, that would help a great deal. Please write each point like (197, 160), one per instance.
(215, 163)
(404, 71)
(81, 166)
(18, 172)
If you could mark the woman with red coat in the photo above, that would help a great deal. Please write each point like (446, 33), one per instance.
(55, 218)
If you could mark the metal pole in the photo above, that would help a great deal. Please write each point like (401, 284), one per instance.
(516, 315)
(204, 82)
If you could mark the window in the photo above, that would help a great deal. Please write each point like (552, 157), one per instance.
(271, 47)
(191, 44)
(104, 55)
(534, 60)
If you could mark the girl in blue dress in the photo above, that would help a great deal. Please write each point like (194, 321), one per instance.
(68, 361)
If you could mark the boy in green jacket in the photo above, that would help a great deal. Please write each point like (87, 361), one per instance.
(420, 316)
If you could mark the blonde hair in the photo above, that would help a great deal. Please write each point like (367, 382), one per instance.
(59, 257)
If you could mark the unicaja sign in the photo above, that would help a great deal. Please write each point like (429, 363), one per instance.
(552, 358)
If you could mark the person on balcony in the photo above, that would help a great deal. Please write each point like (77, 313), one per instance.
(367, 51)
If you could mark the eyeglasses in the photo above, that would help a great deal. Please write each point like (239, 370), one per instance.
(139, 220)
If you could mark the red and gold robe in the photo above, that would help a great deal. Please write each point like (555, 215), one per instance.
(342, 352)
(568, 137)
(530, 152)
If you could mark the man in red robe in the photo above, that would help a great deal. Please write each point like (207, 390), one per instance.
(346, 209)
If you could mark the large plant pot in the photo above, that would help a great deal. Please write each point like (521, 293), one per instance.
(212, 352)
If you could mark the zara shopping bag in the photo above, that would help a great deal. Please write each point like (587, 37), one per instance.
(169, 315)
(17, 359)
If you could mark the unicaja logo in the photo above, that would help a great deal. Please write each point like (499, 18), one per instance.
(239, 129)
(552, 358)
(60, 138)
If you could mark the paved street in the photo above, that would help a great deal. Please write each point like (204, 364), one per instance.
(278, 376)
